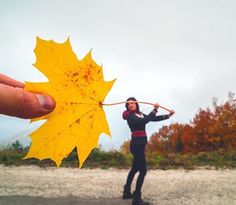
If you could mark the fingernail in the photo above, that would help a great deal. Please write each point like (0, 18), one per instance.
(46, 101)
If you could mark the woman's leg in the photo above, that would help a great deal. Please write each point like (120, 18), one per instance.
(142, 167)
(131, 174)
(127, 187)
(134, 169)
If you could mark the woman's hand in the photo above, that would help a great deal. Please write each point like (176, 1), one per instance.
(156, 106)
(171, 113)
(15, 101)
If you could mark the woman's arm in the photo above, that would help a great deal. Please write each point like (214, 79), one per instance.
(133, 119)
(159, 118)
(152, 116)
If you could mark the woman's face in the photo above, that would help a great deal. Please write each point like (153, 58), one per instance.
(132, 105)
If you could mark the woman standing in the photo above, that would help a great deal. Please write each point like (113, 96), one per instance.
(137, 121)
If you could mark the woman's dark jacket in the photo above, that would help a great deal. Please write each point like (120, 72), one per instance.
(137, 122)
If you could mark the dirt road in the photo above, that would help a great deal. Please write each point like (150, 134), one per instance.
(33, 185)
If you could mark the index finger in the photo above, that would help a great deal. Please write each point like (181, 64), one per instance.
(10, 82)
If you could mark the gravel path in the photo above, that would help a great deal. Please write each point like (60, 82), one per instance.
(96, 186)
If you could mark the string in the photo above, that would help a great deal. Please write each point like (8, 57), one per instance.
(142, 102)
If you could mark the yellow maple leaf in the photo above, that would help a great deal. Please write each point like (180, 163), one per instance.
(79, 89)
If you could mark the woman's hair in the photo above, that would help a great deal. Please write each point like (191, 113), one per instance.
(133, 99)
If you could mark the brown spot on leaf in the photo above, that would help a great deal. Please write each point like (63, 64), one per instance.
(75, 74)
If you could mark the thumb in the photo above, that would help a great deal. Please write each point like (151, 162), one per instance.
(23, 104)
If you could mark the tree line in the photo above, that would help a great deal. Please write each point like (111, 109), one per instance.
(211, 129)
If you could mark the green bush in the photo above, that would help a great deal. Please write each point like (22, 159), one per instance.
(107, 159)
(12, 155)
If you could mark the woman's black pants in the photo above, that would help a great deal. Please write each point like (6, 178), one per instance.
(139, 164)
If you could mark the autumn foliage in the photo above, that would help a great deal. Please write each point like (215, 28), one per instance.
(210, 130)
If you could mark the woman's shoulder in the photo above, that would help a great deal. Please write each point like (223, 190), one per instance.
(128, 113)
(125, 114)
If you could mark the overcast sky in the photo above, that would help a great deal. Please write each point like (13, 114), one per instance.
(180, 54)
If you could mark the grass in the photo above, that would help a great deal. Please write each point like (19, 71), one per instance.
(12, 155)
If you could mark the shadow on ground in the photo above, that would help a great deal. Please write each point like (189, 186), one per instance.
(30, 200)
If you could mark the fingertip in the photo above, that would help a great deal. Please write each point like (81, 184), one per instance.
(46, 101)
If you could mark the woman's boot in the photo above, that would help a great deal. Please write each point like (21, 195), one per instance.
(137, 199)
(127, 193)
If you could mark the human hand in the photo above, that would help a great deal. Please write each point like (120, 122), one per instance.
(171, 113)
(15, 101)
(156, 106)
